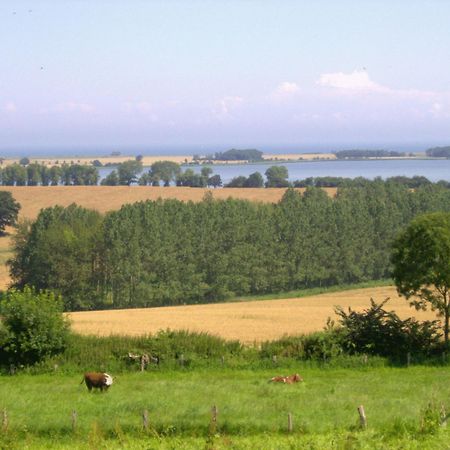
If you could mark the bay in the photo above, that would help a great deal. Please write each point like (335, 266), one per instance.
(433, 169)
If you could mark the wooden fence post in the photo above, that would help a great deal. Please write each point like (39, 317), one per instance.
(444, 357)
(182, 360)
(408, 359)
(274, 359)
(290, 423)
(213, 425)
(145, 419)
(362, 417)
(223, 360)
(5, 420)
(74, 421)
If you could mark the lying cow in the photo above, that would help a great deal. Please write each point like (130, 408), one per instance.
(287, 380)
(98, 380)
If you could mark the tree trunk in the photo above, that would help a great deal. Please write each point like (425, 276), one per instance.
(446, 325)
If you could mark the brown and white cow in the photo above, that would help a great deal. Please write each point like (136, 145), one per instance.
(287, 380)
(98, 380)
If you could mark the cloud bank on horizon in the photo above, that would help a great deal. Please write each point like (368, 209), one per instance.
(189, 73)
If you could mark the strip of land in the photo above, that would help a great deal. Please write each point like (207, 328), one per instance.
(249, 322)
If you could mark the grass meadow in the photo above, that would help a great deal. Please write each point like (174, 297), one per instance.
(402, 406)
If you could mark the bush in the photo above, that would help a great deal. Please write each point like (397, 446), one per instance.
(379, 332)
(32, 327)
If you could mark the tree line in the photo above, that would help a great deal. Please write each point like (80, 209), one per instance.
(169, 252)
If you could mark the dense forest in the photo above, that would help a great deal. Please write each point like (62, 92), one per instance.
(169, 252)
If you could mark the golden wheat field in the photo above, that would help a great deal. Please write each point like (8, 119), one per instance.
(107, 198)
(252, 321)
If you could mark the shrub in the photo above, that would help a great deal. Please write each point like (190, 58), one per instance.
(32, 327)
(379, 332)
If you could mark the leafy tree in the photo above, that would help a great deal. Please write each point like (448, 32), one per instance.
(237, 182)
(421, 264)
(34, 174)
(55, 175)
(277, 176)
(215, 181)
(254, 180)
(139, 158)
(97, 163)
(128, 172)
(111, 179)
(24, 161)
(9, 210)
(60, 251)
(166, 171)
(33, 326)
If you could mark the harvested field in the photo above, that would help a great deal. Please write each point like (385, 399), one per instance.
(252, 321)
(107, 198)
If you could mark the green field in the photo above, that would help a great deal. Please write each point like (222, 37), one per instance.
(252, 412)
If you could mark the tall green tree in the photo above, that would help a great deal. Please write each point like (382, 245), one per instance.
(166, 171)
(9, 211)
(128, 172)
(421, 264)
(277, 176)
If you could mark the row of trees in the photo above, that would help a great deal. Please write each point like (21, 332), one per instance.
(169, 252)
(165, 172)
(351, 154)
(35, 174)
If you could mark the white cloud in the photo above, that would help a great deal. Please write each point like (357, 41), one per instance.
(358, 80)
(287, 88)
(284, 91)
(10, 107)
(226, 105)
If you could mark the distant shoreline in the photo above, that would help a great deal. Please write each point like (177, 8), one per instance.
(269, 158)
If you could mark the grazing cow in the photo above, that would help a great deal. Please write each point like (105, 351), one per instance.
(98, 380)
(287, 380)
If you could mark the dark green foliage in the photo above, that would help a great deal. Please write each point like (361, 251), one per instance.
(239, 155)
(350, 154)
(166, 171)
(9, 210)
(376, 331)
(215, 181)
(24, 161)
(254, 180)
(277, 176)
(112, 179)
(439, 152)
(61, 251)
(421, 261)
(169, 252)
(32, 327)
(128, 172)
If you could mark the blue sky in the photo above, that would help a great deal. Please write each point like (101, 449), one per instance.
(213, 74)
